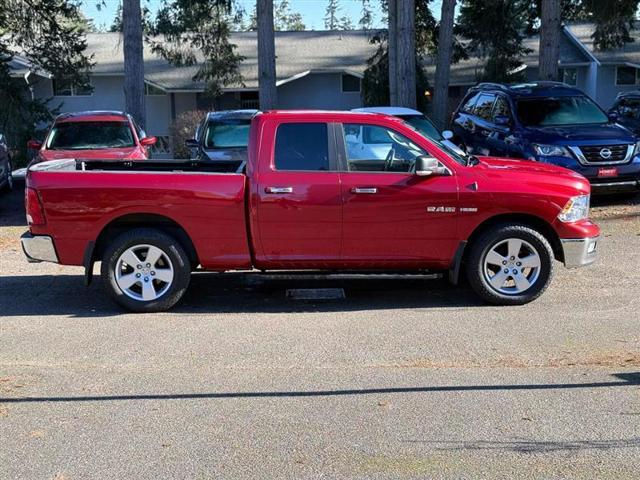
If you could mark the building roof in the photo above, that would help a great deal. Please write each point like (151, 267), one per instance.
(298, 54)
(628, 54)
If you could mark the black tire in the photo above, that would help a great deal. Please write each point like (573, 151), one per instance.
(481, 247)
(169, 246)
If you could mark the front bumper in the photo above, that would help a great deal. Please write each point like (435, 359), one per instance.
(578, 252)
(39, 248)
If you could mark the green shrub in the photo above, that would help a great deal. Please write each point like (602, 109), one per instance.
(183, 128)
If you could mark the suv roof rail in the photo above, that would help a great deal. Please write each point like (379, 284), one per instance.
(498, 86)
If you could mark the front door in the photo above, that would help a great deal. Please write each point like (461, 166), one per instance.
(393, 218)
(299, 207)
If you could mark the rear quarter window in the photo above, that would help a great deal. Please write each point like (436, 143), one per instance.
(302, 146)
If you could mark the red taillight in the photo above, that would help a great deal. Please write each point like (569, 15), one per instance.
(35, 214)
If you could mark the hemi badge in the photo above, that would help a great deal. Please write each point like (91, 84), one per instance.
(468, 209)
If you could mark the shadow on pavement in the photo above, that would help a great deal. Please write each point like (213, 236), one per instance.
(532, 446)
(624, 380)
(231, 293)
(12, 212)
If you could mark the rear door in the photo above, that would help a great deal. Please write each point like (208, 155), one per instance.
(483, 126)
(498, 142)
(298, 202)
(392, 217)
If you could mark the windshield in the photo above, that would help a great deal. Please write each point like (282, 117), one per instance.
(555, 111)
(230, 134)
(423, 125)
(459, 155)
(90, 136)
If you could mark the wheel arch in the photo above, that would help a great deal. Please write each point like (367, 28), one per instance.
(536, 223)
(121, 224)
(532, 221)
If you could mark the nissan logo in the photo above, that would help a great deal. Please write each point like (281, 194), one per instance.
(605, 153)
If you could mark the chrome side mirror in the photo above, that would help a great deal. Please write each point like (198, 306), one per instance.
(429, 166)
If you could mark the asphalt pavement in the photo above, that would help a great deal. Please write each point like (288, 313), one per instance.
(402, 378)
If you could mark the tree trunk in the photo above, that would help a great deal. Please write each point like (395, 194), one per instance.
(550, 30)
(443, 64)
(266, 56)
(406, 17)
(392, 48)
(133, 61)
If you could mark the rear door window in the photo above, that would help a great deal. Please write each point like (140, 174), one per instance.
(484, 105)
(302, 147)
(470, 103)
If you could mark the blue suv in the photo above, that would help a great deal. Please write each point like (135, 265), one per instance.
(549, 122)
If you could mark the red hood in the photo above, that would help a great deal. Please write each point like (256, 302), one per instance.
(528, 171)
(102, 153)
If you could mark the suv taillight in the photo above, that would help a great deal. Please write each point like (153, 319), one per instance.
(35, 214)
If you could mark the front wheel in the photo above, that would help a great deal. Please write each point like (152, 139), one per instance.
(510, 265)
(145, 270)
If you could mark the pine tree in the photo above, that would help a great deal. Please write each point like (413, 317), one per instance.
(366, 18)
(50, 35)
(614, 21)
(285, 19)
(495, 29)
(192, 27)
(331, 15)
(345, 23)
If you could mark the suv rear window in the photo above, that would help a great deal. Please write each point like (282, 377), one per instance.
(578, 110)
(227, 134)
(90, 136)
(302, 146)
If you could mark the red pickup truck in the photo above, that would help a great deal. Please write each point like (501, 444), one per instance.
(329, 191)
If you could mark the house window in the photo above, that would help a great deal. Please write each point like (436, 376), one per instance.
(350, 83)
(67, 88)
(152, 90)
(249, 100)
(569, 76)
(626, 76)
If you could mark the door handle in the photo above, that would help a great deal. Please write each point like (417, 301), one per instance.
(279, 190)
(369, 190)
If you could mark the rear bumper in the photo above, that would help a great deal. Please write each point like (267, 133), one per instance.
(39, 248)
(578, 252)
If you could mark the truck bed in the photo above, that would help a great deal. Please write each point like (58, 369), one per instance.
(82, 197)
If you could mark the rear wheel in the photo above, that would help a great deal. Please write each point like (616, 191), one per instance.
(510, 265)
(146, 270)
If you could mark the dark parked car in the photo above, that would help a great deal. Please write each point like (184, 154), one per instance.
(549, 122)
(222, 138)
(626, 110)
(6, 179)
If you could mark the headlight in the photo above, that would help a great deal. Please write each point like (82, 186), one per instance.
(550, 150)
(636, 150)
(577, 208)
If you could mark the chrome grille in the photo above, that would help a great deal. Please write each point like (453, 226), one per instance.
(604, 154)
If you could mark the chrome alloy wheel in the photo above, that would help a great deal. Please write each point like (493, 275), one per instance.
(144, 272)
(512, 266)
